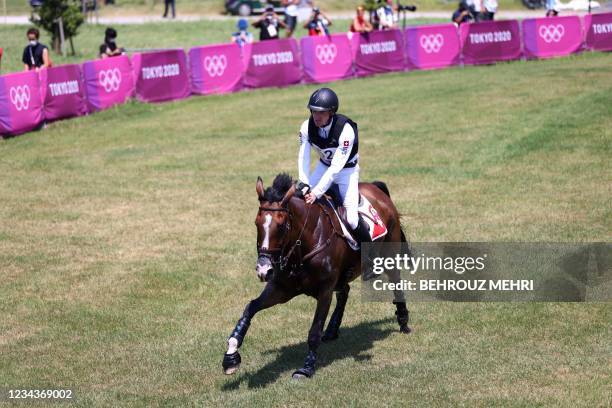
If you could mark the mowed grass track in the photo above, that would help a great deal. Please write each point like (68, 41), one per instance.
(127, 244)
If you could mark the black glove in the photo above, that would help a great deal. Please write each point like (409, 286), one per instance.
(303, 188)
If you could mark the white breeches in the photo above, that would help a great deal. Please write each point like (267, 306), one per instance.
(348, 184)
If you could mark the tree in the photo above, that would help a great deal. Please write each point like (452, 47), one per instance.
(49, 16)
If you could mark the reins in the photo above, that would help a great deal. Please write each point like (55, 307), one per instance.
(297, 245)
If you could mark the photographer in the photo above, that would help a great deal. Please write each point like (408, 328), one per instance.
(35, 54)
(242, 36)
(474, 6)
(360, 24)
(269, 24)
(291, 15)
(552, 8)
(462, 14)
(387, 19)
(490, 8)
(318, 23)
(109, 48)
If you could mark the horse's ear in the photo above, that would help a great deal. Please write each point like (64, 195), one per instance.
(259, 188)
(288, 195)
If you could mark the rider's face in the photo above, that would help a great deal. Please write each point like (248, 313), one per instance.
(321, 118)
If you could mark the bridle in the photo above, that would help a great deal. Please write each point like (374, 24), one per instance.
(275, 255)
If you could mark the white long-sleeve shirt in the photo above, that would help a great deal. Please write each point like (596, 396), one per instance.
(335, 158)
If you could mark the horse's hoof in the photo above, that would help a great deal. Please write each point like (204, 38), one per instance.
(329, 337)
(231, 363)
(405, 329)
(302, 373)
(231, 370)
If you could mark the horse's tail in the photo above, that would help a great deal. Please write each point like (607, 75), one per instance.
(382, 186)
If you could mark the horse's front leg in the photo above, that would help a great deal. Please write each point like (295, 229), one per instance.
(270, 296)
(314, 335)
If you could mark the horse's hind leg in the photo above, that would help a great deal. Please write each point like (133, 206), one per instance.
(403, 316)
(270, 296)
(331, 333)
(401, 312)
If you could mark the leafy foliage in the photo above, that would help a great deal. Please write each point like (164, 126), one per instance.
(50, 13)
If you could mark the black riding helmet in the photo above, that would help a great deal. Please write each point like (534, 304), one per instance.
(323, 99)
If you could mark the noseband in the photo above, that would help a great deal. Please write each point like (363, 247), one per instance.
(275, 255)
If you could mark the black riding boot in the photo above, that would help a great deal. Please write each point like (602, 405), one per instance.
(362, 234)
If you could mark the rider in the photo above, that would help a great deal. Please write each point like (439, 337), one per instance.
(334, 137)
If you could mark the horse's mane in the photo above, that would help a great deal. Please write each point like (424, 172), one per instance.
(281, 184)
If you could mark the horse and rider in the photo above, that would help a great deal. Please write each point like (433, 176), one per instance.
(301, 244)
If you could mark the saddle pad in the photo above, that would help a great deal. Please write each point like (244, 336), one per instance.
(369, 214)
(376, 225)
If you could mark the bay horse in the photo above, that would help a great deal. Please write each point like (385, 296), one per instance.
(301, 250)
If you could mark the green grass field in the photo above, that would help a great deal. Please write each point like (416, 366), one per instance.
(127, 244)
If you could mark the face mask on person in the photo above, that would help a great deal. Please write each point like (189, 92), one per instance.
(33, 42)
(111, 40)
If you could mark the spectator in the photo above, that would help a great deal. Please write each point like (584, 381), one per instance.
(242, 36)
(462, 14)
(474, 7)
(490, 8)
(291, 15)
(171, 3)
(269, 24)
(360, 24)
(552, 8)
(35, 54)
(387, 19)
(318, 23)
(109, 48)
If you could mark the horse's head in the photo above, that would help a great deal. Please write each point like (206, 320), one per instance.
(273, 224)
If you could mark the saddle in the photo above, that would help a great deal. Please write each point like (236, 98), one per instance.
(366, 210)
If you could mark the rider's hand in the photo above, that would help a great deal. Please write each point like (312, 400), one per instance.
(310, 198)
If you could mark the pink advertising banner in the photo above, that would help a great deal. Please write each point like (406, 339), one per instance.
(378, 51)
(108, 82)
(161, 75)
(434, 46)
(326, 58)
(215, 69)
(490, 41)
(552, 37)
(598, 31)
(62, 92)
(20, 103)
(272, 63)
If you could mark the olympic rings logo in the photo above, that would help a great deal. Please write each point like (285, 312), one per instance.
(110, 79)
(20, 97)
(432, 43)
(215, 65)
(326, 53)
(551, 33)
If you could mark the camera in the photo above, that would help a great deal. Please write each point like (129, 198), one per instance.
(411, 8)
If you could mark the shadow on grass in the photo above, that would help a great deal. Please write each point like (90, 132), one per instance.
(354, 342)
